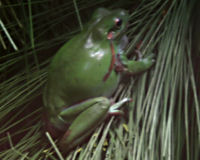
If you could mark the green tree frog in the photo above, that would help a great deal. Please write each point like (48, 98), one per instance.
(83, 75)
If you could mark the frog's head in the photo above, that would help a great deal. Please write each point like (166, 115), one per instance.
(109, 24)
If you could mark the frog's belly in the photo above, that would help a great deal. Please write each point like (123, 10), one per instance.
(78, 87)
(88, 86)
(80, 79)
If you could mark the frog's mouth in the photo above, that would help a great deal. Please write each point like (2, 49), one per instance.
(116, 32)
(110, 35)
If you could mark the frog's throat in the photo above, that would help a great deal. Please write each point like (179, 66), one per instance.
(112, 63)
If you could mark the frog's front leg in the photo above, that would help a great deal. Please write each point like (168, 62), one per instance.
(88, 115)
(133, 67)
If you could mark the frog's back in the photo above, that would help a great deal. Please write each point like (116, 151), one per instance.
(77, 71)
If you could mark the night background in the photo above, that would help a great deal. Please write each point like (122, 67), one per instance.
(162, 122)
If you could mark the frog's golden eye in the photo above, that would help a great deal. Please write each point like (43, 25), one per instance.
(118, 22)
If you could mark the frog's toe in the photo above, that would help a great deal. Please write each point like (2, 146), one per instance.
(150, 56)
(150, 59)
(114, 109)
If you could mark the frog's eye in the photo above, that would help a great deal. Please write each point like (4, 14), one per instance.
(118, 22)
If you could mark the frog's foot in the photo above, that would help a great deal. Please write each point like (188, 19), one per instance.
(135, 67)
(114, 109)
(139, 54)
(150, 57)
(148, 61)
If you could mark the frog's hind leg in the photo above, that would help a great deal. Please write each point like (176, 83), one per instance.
(87, 121)
(69, 113)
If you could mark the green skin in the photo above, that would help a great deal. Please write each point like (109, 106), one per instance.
(75, 96)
